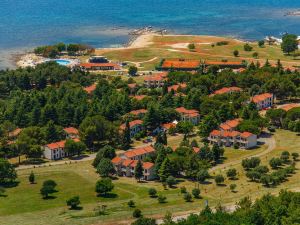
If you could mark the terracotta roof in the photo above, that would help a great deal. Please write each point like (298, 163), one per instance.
(147, 165)
(71, 130)
(226, 90)
(127, 162)
(246, 134)
(290, 106)
(189, 112)
(139, 97)
(133, 85)
(176, 86)
(59, 144)
(181, 64)
(196, 149)
(90, 89)
(139, 151)
(131, 124)
(15, 132)
(230, 134)
(91, 65)
(116, 160)
(230, 124)
(156, 77)
(262, 97)
(215, 133)
(168, 125)
(139, 111)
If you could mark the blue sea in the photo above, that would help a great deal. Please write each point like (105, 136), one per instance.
(103, 23)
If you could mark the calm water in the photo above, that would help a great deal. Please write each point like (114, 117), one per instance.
(27, 23)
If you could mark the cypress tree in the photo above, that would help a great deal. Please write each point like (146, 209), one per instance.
(138, 171)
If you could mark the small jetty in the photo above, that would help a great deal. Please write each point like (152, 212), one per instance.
(293, 13)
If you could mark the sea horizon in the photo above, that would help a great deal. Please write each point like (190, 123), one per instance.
(27, 23)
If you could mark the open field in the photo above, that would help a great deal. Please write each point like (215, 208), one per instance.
(175, 46)
(24, 205)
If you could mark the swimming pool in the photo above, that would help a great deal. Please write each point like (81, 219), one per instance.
(62, 62)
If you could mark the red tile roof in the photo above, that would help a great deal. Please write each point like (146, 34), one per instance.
(188, 112)
(59, 144)
(156, 77)
(147, 165)
(196, 150)
(71, 130)
(215, 133)
(139, 151)
(176, 86)
(131, 124)
(181, 64)
(139, 111)
(139, 97)
(262, 97)
(168, 125)
(246, 134)
(127, 162)
(15, 132)
(230, 124)
(116, 160)
(133, 85)
(226, 90)
(90, 89)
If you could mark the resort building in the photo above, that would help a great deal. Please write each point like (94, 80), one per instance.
(136, 126)
(263, 101)
(226, 90)
(71, 132)
(155, 81)
(230, 125)
(192, 115)
(180, 65)
(125, 163)
(56, 150)
(140, 113)
(230, 138)
(99, 66)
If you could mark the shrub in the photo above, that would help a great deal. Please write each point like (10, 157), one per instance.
(191, 46)
(275, 163)
(232, 187)
(285, 156)
(248, 48)
(73, 202)
(183, 189)
(295, 156)
(261, 43)
(31, 178)
(236, 53)
(202, 175)
(255, 55)
(162, 199)
(196, 192)
(219, 179)
(171, 181)
(137, 213)
(220, 43)
(131, 204)
(231, 173)
(104, 186)
(152, 192)
(187, 197)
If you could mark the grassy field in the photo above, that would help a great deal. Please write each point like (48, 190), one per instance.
(175, 47)
(24, 205)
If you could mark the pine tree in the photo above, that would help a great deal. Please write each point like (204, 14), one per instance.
(31, 178)
(138, 171)
(165, 138)
(165, 170)
(126, 136)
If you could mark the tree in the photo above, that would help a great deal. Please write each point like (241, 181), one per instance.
(73, 202)
(165, 170)
(248, 48)
(236, 53)
(144, 221)
(295, 156)
(187, 197)
(219, 179)
(7, 172)
(126, 136)
(217, 152)
(289, 43)
(2, 191)
(255, 55)
(232, 187)
(261, 43)
(51, 132)
(137, 213)
(138, 171)
(183, 189)
(105, 167)
(104, 186)
(196, 192)
(106, 152)
(285, 156)
(171, 181)
(152, 192)
(48, 188)
(191, 46)
(31, 178)
(185, 127)
(161, 198)
(231, 174)
(275, 163)
(250, 163)
(72, 147)
(131, 204)
(202, 175)
(132, 70)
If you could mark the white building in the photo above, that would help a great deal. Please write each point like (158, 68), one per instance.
(263, 101)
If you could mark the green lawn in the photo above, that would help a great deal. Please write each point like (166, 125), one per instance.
(24, 205)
